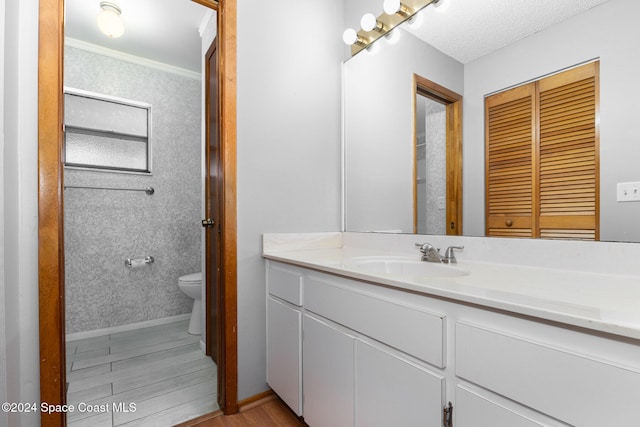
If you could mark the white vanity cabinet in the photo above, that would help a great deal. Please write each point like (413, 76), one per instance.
(476, 410)
(589, 385)
(393, 390)
(366, 360)
(284, 335)
(347, 352)
(328, 374)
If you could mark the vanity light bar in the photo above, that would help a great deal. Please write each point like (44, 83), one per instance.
(384, 23)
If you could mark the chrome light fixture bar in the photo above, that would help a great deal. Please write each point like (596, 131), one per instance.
(396, 12)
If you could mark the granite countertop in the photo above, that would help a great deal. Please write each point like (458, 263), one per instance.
(602, 302)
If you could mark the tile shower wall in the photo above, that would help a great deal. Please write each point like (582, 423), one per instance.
(431, 166)
(103, 228)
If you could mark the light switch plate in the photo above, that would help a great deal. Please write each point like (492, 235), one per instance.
(628, 192)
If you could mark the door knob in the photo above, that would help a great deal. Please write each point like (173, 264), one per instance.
(208, 223)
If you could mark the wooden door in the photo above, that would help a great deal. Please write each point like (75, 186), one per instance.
(510, 163)
(542, 158)
(213, 209)
(568, 154)
(453, 168)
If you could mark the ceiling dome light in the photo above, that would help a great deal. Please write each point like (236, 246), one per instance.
(109, 20)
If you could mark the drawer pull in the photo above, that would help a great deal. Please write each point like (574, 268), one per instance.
(509, 222)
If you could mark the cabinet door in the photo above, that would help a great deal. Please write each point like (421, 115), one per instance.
(393, 391)
(284, 331)
(327, 375)
(474, 410)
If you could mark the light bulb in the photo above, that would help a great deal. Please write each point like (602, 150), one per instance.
(349, 36)
(391, 7)
(416, 20)
(109, 20)
(368, 22)
(393, 36)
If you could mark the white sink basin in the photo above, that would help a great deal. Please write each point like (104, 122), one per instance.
(405, 267)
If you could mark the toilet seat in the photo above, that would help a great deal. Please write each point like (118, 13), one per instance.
(191, 278)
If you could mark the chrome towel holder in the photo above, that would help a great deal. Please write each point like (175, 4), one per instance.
(148, 190)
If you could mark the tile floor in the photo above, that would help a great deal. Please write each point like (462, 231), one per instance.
(160, 369)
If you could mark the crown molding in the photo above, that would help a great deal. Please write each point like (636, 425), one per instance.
(90, 47)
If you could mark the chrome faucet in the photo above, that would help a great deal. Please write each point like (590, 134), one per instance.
(449, 256)
(429, 252)
(432, 254)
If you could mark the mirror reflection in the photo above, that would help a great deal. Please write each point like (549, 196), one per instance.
(469, 53)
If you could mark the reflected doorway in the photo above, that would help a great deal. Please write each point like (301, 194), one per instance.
(437, 191)
(431, 155)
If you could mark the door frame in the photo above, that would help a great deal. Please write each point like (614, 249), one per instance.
(51, 204)
(453, 104)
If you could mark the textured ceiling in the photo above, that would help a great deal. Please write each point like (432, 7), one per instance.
(167, 30)
(469, 29)
(161, 30)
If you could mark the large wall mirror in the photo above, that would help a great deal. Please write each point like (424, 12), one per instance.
(471, 48)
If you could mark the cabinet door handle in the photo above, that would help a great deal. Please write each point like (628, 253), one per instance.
(447, 415)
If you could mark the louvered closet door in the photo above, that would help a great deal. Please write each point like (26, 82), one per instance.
(568, 154)
(510, 162)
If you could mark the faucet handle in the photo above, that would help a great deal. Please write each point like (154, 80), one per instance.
(424, 247)
(449, 256)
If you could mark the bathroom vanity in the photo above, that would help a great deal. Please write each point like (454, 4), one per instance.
(360, 332)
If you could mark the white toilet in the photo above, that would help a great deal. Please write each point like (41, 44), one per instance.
(191, 285)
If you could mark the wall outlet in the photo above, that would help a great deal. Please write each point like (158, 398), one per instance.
(628, 192)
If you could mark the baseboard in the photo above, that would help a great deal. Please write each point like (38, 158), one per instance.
(123, 328)
(256, 400)
(243, 405)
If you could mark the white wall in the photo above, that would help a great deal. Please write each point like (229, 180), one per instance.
(288, 146)
(3, 345)
(20, 207)
(609, 32)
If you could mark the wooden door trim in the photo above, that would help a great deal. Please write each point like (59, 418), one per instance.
(453, 103)
(227, 39)
(50, 210)
(50, 203)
